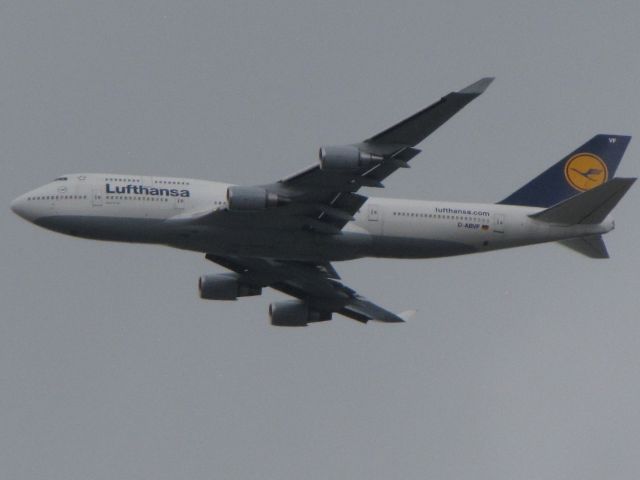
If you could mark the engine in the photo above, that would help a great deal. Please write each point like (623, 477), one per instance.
(251, 198)
(295, 313)
(225, 286)
(346, 157)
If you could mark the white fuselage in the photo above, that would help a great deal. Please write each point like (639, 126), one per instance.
(162, 210)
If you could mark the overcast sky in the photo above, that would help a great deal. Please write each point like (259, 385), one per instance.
(521, 364)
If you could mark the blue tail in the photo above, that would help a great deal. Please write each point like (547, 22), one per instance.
(587, 167)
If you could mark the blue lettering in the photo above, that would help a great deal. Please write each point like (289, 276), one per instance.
(144, 190)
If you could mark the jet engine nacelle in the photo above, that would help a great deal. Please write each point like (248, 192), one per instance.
(250, 198)
(225, 286)
(294, 313)
(346, 157)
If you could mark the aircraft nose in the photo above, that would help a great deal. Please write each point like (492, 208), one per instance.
(19, 207)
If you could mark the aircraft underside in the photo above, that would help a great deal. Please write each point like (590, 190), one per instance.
(254, 242)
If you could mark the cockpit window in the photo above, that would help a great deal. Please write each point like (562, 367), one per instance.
(60, 179)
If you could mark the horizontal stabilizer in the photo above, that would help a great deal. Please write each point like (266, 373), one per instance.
(592, 247)
(590, 207)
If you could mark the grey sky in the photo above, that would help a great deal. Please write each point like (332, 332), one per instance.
(519, 364)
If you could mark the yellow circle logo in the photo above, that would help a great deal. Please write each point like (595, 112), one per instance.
(585, 171)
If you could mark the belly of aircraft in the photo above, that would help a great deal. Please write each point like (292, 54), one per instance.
(252, 242)
(315, 247)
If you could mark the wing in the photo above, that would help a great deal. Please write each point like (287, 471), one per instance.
(324, 200)
(330, 196)
(317, 285)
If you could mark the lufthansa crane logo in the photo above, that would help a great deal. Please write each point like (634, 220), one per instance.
(585, 171)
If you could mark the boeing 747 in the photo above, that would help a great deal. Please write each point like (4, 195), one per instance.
(285, 234)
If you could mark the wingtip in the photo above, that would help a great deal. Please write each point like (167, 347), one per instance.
(478, 87)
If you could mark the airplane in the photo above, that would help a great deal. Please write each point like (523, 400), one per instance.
(285, 234)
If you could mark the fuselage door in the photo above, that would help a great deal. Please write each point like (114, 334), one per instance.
(499, 223)
(178, 203)
(374, 219)
(373, 213)
(96, 196)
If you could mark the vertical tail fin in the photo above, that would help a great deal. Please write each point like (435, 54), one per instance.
(587, 167)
